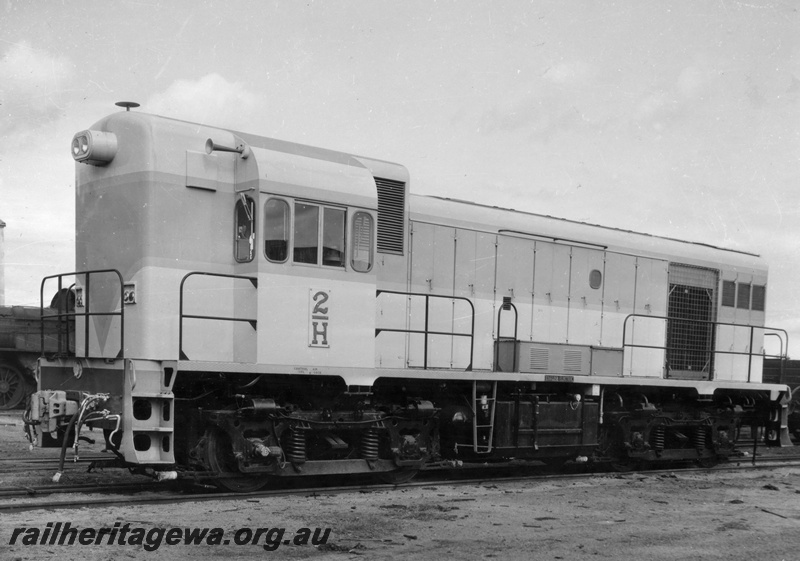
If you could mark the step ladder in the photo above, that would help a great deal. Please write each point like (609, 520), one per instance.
(484, 410)
(148, 418)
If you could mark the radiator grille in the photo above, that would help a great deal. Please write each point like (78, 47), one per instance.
(691, 308)
(391, 215)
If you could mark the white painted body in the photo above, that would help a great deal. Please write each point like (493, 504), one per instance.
(164, 208)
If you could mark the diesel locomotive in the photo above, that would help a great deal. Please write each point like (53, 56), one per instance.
(245, 308)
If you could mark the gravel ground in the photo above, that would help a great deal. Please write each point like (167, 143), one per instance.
(638, 516)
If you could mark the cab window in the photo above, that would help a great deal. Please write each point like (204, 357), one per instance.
(244, 230)
(333, 237)
(319, 235)
(277, 224)
(306, 233)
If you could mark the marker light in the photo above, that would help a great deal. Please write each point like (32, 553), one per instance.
(94, 147)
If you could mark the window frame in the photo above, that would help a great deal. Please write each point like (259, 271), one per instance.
(289, 229)
(320, 234)
(240, 202)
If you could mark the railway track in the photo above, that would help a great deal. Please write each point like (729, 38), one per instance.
(22, 499)
(15, 465)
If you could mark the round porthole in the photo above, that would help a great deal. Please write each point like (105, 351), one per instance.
(595, 279)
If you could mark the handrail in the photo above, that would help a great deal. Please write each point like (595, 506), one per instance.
(182, 316)
(775, 332)
(506, 305)
(428, 332)
(66, 314)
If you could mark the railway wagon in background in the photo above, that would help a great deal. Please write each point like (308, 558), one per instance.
(248, 308)
(787, 372)
(24, 337)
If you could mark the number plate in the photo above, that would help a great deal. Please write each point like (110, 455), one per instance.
(319, 318)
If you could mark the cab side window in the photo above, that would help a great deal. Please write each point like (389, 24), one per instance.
(244, 237)
(277, 224)
(306, 233)
(333, 237)
(318, 235)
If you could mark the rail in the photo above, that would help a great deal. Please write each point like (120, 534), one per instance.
(710, 352)
(182, 316)
(426, 331)
(63, 314)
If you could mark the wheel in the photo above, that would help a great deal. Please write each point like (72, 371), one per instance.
(12, 386)
(219, 456)
(614, 450)
(398, 476)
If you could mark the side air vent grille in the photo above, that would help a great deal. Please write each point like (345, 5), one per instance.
(540, 359)
(573, 361)
(391, 215)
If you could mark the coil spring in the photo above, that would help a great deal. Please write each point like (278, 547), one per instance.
(700, 434)
(369, 445)
(297, 446)
(659, 438)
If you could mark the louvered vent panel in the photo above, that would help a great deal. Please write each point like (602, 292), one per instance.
(540, 359)
(391, 215)
(759, 298)
(573, 361)
(728, 293)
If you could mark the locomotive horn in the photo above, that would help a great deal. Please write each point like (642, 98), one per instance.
(242, 148)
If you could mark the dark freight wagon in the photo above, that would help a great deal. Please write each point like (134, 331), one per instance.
(22, 340)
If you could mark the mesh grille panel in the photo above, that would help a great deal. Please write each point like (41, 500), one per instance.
(692, 304)
(693, 276)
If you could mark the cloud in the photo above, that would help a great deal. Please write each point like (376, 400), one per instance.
(34, 84)
(574, 72)
(211, 100)
(694, 92)
(25, 71)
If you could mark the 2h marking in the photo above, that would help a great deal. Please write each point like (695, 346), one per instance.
(318, 320)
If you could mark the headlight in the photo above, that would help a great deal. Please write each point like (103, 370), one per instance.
(80, 146)
(94, 147)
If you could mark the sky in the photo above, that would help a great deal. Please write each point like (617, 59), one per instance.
(674, 118)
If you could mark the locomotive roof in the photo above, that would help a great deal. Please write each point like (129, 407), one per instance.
(293, 169)
(329, 180)
(427, 208)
